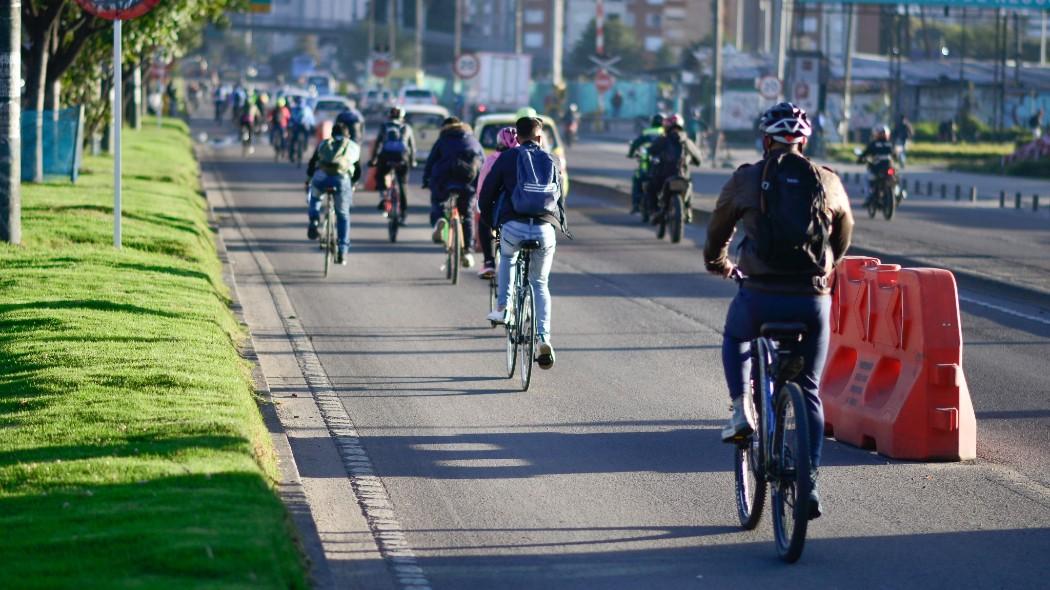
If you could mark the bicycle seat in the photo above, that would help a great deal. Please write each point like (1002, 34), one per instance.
(783, 330)
(530, 245)
(330, 190)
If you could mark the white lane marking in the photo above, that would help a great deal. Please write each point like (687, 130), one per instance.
(368, 488)
(1006, 310)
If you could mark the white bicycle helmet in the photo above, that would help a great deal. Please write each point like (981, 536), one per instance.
(786, 123)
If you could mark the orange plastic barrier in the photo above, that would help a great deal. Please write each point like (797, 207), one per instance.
(371, 183)
(324, 131)
(893, 381)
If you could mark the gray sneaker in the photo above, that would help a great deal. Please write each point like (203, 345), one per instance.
(439, 229)
(740, 425)
(815, 508)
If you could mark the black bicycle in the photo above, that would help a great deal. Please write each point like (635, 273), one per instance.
(521, 322)
(777, 454)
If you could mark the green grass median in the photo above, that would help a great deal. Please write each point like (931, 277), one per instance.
(132, 453)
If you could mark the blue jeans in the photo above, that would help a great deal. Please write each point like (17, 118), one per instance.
(748, 311)
(512, 234)
(344, 197)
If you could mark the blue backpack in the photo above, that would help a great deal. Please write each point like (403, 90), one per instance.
(538, 190)
(394, 141)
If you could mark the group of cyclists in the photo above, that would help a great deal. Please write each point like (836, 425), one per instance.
(289, 124)
(794, 215)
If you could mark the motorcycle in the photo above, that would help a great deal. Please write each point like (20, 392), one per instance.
(572, 128)
(674, 203)
(884, 191)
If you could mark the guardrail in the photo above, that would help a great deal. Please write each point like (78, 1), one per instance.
(969, 193)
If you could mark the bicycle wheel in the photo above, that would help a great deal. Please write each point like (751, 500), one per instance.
(750, 478)
(873, 204)
(790, 497)
(527, 330)
(456, 239)
(512, 346)
(328, 241)
(677, 220)
(393, 215)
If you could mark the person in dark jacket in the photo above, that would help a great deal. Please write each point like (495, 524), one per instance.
(515, 228)
(453, 164)
(663, 167)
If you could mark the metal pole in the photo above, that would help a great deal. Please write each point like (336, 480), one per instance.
(783, 32)
(419, 37)
(962, 61)
(391, 29)
(519, 18)
(10, 132)
(371, 28)
(599, 28)
(118, 100)
(557, 34)
(457, 35)
(719, 12)
(1042, 40)
(767, 26)
(1017, 48)
(847, 90)
(738, 34)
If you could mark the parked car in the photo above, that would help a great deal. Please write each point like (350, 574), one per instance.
(410, 95)
(328, 108)
(376, 101)
(426, 122)
(486, 127)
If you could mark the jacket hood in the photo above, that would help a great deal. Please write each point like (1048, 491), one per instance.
(456, 128)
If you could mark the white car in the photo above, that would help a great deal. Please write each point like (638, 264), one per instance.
(328, 108)
(425, 120)
(415, 95)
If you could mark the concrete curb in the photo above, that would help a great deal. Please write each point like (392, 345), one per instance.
(970, 280)
(289, 487)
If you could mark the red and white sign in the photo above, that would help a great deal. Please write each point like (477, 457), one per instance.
(769, 87)
(118, 9)
(467, 65)
(381, 67)
(603, 81)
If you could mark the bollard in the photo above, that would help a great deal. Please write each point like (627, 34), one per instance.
(1035, 202)
(918, 188)
(973, 194)
(1017, 201)
(1002, 199)
(904, 184)
(958, 192)
(929, 188)
(944, 191)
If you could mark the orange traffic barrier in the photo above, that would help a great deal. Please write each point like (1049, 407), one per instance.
(371, 183)
(324, 131)
(894, 381)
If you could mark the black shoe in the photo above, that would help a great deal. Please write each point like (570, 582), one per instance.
(340, 258)
(311, 231)
(656, 219)
(815, 509)
(380, 206)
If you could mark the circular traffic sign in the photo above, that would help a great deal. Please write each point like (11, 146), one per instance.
(769, 87)
(381, 67)
(603, 81)
(467, 65)
(118, 9)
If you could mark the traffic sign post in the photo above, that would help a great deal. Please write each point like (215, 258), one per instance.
(381, 66)
(603, 81)
(466, 66)
(769, 87)
(117, 11)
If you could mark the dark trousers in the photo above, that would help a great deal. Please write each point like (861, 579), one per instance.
(748, 311)
(437, 211)
(488, 243)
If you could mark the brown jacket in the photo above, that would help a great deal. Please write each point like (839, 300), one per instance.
(739, 202)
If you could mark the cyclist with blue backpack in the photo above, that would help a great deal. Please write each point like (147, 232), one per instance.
(394, 149)
(453, 165)
(524, 196)
(797, 226)
(302, 122)
(353, 119)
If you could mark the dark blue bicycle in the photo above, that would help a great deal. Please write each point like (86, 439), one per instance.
(777, 454)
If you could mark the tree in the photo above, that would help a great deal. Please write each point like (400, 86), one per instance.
(10, 148)
(619, 42)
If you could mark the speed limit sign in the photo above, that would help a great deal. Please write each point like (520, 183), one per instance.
(467, 65)
(769, 87)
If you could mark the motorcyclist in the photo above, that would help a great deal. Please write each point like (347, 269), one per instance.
(571, 123)
(671, 156)
(394, 149)
(453, 164)
(878, 155)
(902, 135)
(353, 119)
(640, 149)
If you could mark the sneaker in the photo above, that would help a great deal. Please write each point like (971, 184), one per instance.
(487, 272)
(439, 229)
(815, 508)
(382, 205)
(740, 425)
(467, 260)
(634, 209)
(545, 356)
(311, 230)
(497, 316)
(340, 258)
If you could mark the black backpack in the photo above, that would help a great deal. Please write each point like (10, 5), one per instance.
(464, 169)
(670, 155)
(794, 227)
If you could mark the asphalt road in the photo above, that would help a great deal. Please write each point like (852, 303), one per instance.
(609, 473)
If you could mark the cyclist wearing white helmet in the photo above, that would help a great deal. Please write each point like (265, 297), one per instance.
(797, 226)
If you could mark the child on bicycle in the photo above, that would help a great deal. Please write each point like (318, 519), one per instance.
(334, 165)
(781, 284)
(506, 139)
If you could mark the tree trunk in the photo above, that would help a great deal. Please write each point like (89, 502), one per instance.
(10, 146)
(36, 94)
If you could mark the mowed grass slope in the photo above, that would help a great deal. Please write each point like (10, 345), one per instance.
(132, 453)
